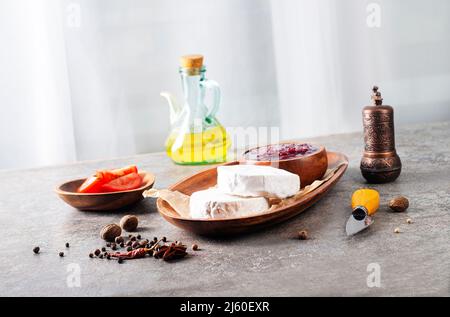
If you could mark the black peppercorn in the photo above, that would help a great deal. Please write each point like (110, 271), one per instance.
(129, 243)
(130, 235)
(91, 255)
(36, 250)
(138, 237)
(103, 249)
(122, 244)
(164, 239)
(135, 245)
(108, 244)
(101, 256)
(119, 240)
(67, 244)
(120, 260)
(133, 238)
(97, 252)
(61, 254)
(108, 257)
(195, 247)
(155, 239)
(114, 247)
(105, 254)
(303, 235)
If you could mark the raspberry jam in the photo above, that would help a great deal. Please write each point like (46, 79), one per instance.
(282, 151)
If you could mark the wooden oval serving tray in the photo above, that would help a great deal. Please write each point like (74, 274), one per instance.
(221, 227)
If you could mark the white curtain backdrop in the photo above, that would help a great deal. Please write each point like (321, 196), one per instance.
(36, 124)
(80, 79)
(327, 59)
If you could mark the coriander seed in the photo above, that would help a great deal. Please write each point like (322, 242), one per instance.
(143, 243)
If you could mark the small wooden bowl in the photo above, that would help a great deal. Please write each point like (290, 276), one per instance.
(103, 201)
(309, 167)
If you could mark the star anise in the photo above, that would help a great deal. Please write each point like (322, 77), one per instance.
(171, 252)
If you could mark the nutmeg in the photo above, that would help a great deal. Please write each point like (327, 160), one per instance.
(110, 232)
(129, 223)
(399, 204)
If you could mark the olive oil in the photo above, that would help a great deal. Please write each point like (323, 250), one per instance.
(196, 135)
(206, 147)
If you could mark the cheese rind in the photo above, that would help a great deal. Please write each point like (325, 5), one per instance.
(257, 180)
(213, 203)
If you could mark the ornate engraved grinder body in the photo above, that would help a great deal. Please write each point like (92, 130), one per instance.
(380, 162)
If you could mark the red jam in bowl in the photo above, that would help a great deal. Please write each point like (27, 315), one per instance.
(281, 151)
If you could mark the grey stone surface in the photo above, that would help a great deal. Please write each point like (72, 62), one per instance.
(267, 263)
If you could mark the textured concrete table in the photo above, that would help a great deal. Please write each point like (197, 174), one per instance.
(270, 262)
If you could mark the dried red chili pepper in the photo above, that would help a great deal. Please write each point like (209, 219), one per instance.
(135, 254)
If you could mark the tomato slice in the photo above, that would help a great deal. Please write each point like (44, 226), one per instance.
(109, 175)
(126, 182)
(92, 184)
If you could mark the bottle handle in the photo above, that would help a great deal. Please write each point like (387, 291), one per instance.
(215, 88)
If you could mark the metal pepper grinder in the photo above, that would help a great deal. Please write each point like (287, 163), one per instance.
(380, 162)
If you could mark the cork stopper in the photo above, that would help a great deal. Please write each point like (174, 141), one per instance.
(376, 96)
(191, 61)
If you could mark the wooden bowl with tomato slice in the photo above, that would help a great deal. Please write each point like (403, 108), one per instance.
(111, 199)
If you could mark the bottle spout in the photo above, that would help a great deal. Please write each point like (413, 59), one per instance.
(174, 106)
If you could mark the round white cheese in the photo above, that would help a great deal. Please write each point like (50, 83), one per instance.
(213, 203)
(257, 180)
